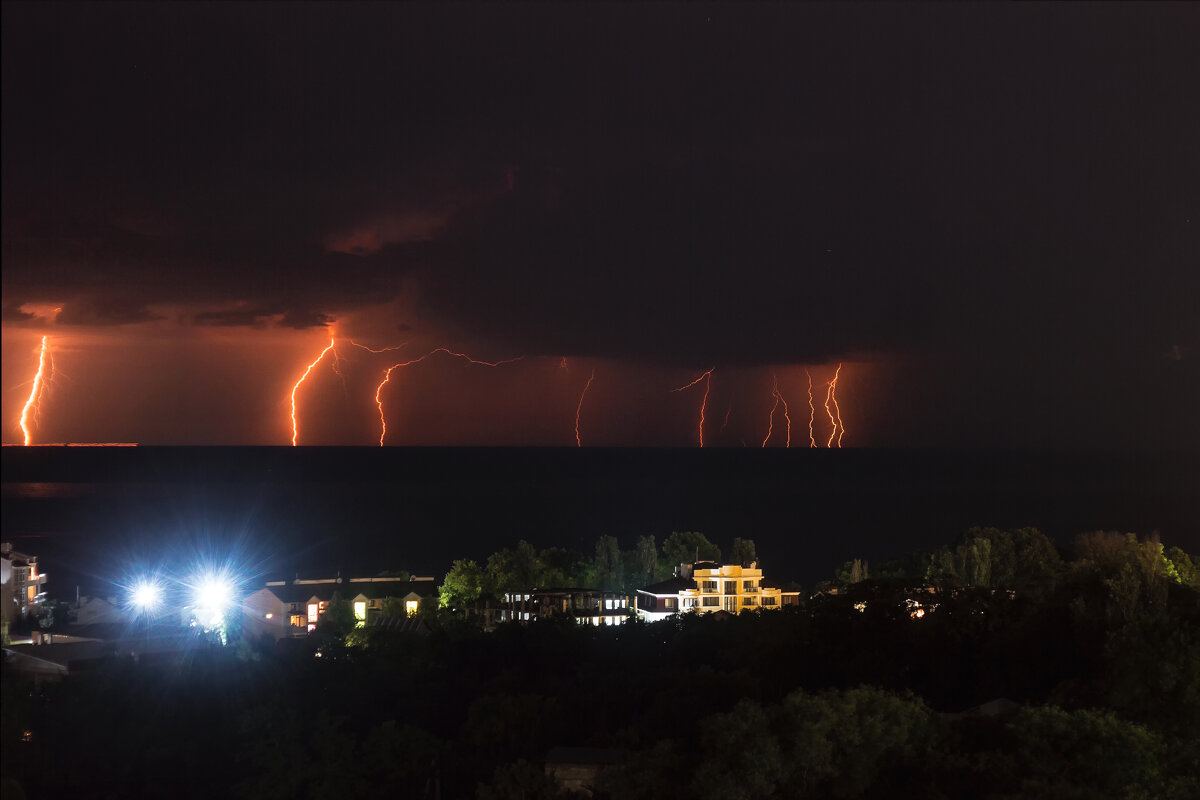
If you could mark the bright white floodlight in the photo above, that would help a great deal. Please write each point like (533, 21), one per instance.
(146, 596)
(212, 596)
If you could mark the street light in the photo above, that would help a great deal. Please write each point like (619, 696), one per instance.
(212, 595)
(146, 596)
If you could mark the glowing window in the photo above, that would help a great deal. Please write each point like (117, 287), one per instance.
(313, 612)
(360, 610)
(410, 607)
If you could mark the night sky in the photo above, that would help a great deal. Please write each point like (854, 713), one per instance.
(989, 214)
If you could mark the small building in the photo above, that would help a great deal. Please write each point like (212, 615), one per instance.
(292, 608)
(22, 586)
(585, 606)
(706, 586)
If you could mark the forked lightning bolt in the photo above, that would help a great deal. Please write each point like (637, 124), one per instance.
(579, 408)
(771, 420)
(30, 412)
(387, 376)
(834, 421)
(295, 427)
(707, 378)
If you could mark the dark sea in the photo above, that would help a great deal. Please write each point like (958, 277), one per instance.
(98, 516)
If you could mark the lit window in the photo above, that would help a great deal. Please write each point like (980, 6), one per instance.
(410, 607)
(314, 611)
(360, 611)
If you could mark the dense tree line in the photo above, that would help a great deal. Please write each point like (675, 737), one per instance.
(609, 567)
(847, 696)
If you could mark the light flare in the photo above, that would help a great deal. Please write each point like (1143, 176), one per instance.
(387, 376)
(579, 408)
(295, 426)
(707, 378)
(33, 406)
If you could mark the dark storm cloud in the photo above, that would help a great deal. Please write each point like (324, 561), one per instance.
(302, 320)
(250, 318)
(11, 312)
(105, 310)
(681, 184)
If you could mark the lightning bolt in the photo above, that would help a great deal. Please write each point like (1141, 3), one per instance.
(771, 420)
(33, 405)
(836, 409)
(387, 376)
(725, 422)
(579, 408)
(400, 346)
(707, 378)
(831, 396)
(812, 412)
(295, 427)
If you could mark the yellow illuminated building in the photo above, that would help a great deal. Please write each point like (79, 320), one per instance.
(706, 586)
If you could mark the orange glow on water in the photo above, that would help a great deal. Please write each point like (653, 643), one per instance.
(707, 378)
(579, 408)
(295, 426)
(32, 408)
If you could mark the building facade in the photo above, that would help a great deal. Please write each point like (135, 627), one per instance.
(585, 606)
(706, 586)
(24, 586)
(293, 608)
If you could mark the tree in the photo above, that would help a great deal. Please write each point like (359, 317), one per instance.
(1183, 567)
(393, 607)
(1080, 754)
(609, 572)
(688, 547)
(743, 552)
(839, 743)
(514, 570)
(647, 560)
(338, 619)
(558, 567)
(464, 584)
